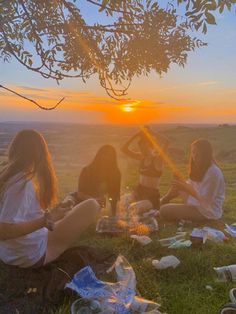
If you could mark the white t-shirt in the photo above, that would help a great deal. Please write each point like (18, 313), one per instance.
(19, 204)
(212, 192)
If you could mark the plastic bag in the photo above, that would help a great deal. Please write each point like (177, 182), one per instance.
(166, 262)
(171, 240)
(180, 244)
(215, 234)
(144, 240)
(231, 229)
(113, 298)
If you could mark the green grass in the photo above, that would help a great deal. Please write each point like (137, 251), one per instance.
(180, 291)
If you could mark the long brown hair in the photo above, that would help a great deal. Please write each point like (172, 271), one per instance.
(197, 170)
(29, 154)
(104, 167)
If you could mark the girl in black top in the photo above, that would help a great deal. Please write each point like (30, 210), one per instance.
(101, 177)
(150, 168)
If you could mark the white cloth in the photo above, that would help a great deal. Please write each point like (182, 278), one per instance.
(211, 191)
(19, 204)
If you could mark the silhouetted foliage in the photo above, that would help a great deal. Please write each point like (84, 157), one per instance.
(53, 38)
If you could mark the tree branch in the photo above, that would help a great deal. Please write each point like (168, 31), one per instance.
(33, 101)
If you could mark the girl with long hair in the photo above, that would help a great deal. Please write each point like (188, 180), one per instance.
(100, 178)
(28, 211)
(203, 193)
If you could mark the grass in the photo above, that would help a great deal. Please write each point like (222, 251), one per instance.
(180, 291)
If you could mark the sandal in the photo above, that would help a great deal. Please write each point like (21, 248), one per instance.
(229, 308)
(232, 295)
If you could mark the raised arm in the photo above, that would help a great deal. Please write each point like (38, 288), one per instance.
(126, 148)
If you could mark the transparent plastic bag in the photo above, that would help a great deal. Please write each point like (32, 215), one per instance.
(166, 262)
(180, 244)
(172, 240)
(143, 240)
(113, 298)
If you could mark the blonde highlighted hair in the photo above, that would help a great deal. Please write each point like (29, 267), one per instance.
(29, 154)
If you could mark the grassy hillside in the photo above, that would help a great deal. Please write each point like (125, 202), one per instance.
(181, 291)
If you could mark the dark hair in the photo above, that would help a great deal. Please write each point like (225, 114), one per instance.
(197, 170)
(28, 154)
(104, 167)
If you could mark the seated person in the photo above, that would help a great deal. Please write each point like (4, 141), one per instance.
(33, 231)
(203, 193)
(150, 166)
(101, 178)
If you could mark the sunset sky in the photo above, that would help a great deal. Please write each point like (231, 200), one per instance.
(202, 92)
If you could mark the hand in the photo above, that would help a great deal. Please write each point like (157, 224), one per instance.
(180, 184)
(186, 187)
(58, 213)
(68, 204)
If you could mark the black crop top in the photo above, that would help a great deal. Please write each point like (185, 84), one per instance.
(149, 169)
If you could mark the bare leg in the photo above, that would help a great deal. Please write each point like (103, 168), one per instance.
(68, 230)
(175, 212)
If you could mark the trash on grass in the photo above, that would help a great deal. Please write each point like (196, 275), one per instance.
(171, 240)
(166, 262)
(226, 273)
(208, 287)
(144, 240)
(198, 236)
(231, 229)
(113, 298)
(180, 244)
(215, 234)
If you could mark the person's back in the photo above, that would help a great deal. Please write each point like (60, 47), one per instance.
(19, 204)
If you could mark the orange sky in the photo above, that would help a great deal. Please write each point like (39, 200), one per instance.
(205, 101)
(204, 91)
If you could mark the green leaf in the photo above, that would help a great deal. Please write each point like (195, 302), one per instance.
(210, 19)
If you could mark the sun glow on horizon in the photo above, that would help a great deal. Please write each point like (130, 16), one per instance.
(127, 108)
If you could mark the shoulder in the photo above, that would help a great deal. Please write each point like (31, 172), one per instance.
(18, 182)
(19, 189)
(214, 172)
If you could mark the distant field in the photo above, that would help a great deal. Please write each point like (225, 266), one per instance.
(182, 291)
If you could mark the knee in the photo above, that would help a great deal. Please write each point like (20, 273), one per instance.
(92, 206)
(166, 212)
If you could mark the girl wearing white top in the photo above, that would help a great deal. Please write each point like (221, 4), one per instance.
(203, 193)
(32, 235)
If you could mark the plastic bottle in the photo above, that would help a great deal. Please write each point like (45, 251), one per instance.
(226, 273)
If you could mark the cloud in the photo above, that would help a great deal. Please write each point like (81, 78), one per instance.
(208, 83)
(32, 88)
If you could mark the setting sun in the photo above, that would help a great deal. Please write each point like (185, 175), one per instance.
(127, 108)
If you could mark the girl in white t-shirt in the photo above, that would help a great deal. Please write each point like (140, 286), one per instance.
(203, 193)
(32, 235)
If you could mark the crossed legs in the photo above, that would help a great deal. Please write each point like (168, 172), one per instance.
(68, 230)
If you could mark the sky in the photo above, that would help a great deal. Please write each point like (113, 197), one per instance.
(204, 91)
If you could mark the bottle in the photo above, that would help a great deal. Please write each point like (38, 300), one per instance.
(226, 273)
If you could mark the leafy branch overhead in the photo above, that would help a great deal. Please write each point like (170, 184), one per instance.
(53, 38)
